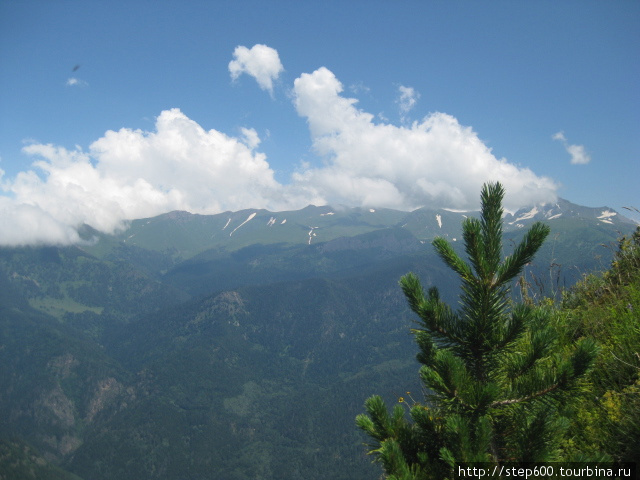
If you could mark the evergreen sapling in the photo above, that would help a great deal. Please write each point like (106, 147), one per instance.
(494, 375)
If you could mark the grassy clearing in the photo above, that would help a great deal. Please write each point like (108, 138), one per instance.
(58, 307)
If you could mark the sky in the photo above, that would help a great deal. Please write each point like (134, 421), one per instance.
(112, 111)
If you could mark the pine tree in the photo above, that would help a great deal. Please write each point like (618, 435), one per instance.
(494, 375)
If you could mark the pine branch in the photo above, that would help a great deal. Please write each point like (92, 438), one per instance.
(491, 222)
(523, 253)
(436, 316)
(451, 258)
(526, 398)
(514, 326)
(474, 246)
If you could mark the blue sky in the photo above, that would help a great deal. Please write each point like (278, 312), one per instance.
(118, 110)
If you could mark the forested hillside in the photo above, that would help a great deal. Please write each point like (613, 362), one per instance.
(186, 353)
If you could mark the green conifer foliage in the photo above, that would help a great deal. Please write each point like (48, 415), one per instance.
(494, 373)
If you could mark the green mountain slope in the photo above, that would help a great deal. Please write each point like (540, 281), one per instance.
(55, 383)
(21, 462)
(192, 346)
(229, 379)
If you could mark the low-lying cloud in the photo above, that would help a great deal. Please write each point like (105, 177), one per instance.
(129, 174)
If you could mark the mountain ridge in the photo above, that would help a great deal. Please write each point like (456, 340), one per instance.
(185, 234)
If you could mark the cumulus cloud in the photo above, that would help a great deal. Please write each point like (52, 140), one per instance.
(579, 155)
(261, 62)
(132, 174)
(178, 165)
(435, 162)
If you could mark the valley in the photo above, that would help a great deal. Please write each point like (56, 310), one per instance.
(240, 345)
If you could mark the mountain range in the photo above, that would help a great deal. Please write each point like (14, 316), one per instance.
(239, 345)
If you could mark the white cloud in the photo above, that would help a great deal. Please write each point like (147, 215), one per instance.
(358, 88)
(24, 224)
(250, 138)
(76, 82)
(435, 162)
(407, 99)
(261, 62)
(128, 174)
(579, 155)
(135, 174)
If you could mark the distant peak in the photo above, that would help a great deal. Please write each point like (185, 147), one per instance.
(178, 215)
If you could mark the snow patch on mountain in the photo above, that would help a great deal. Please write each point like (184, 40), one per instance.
(526, 216)
(271, 222)
(605, 216)
(248, 219)
(311, 234)
(328, 213)
(227, 224)
(439, 220)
